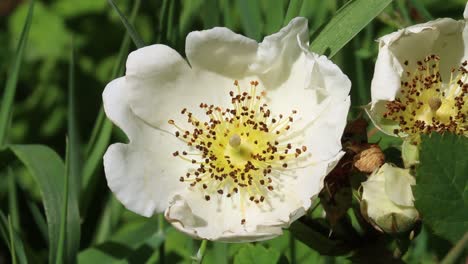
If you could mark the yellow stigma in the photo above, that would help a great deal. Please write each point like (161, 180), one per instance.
(427, 103)
(235, 141)
(239, 150)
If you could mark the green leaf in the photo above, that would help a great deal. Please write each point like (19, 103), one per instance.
(12, 238)
(125, 244)
(102, 130)
(6, 107)
(63, 222)
(47, 26)
(256, 254)
(441, 191)
(294, 8)
(130, 29)
(39, 220)
(348, 21)
(74, 145)
(71, 9)
(273, 12)
(48, 170)
(251, 19)
(313, 235)
(13, 199)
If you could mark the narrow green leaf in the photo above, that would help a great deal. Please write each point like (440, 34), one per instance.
(346, 23)
(313, 236)
(441, 189)
(170, 32)
(294, 8)
(102, 130)
(128, 26)
(251, 19)
(274, 15)
(74, 145)
(63, 222)
(162, 20)
(255, 254)
(6, 107)
(47, 169)
(108, 220)
(13, 199)
(12, 238)
(457, 251)
(404, 11)
(125, 244)
(12, 241)
(40, 221)
(422, 9)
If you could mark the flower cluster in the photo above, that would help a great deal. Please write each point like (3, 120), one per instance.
(234, 143)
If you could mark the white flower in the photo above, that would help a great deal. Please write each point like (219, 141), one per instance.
(233, 144)
(420, 80)
(387, 199)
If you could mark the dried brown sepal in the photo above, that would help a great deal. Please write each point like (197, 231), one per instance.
(369, 159)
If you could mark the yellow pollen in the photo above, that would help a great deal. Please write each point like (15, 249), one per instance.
(426, 103)
(239, 151)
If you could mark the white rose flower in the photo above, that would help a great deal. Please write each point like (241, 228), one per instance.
(420, 80)
(233, 143)
(387, 199)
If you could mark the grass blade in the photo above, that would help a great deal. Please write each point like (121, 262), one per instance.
(294, 8)
(347, 22)
(39, 220)
(13, 199)
(75, 161)
(251, 19)
(63, 222)
(12, 239)
(102, 130)
(130, 29)
(422, 9)
(6, 107)
(47, 169)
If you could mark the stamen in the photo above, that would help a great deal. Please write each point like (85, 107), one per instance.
(427, 103)
(239, 148)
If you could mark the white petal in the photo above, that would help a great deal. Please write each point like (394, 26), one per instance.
(143, 174)
(381, 210)
(398, 184)
(164, 85)
(318, 90)
(441, 37)
(278, 52)
(220, 218)
(220, 50)
(387, 126)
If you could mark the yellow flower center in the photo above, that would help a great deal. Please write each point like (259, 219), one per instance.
(427, 104)
(239, 150)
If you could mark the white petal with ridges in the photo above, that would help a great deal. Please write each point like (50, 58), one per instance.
(138, 173)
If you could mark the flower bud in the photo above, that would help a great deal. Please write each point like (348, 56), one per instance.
(387, 200)
(409, 153)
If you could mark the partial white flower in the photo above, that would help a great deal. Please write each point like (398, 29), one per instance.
(387, 199)
(233, 144)
(420, 83)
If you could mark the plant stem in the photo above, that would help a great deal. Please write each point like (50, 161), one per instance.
(201, 252)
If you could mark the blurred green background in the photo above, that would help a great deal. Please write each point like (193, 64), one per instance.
(40, 108)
